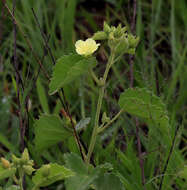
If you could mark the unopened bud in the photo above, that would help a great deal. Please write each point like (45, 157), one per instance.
(30, 163)
(118, 31)
(45, 170)
(122, 46)
(133, 41)
(28, 169)
(15, 160)
(100, 36)
(106, 28)
(131, 51)
(25, 156)
(5, 163)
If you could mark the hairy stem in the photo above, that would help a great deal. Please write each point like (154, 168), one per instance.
(99, 104)
(21, 177)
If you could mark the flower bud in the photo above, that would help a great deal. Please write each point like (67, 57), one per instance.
(28, 169)
(15, 160)
(100, 36)
(113, 28)
(5, 163)
(131, 51)
(106, 28)
(133, 41)
(122, 46)
(25, 156)
(45, 170)
(30, 163)
(118, 31)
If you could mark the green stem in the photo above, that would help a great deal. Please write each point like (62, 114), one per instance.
(95, 77)
(101, 129)
(21, 175)
(82, 99)
(101, 94)
(16, 180)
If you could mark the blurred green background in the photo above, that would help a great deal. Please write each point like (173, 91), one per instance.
(159, 65)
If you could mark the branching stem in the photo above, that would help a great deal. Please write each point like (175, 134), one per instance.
(101, 129)
(99, 104)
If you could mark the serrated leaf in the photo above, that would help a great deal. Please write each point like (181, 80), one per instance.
(49, 130)
(67, 69)
(81, 182)
(142, 103)
(57, 172)
(108, 181)
(83, 179)
(75, 163)
(5, 173)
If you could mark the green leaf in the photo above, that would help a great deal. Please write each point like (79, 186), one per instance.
(49, 130)
(67, 69)
(75, 163)
(5, 173)
(57, 172)
(83, 179)
(6, 142)
(81, 182)
(108, 181)
(142, 103)
(85, 176)
(183, 173)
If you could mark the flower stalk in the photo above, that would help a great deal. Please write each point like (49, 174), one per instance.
(99, 104)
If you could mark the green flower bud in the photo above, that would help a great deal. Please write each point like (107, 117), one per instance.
(28, 169)
(113, 28)
(45, 170)
(133, 41)
(118, 31)
(111, 40)
(25, 156)
(30, 163)
(131, 51)
(111, 36)
(122, 46)
(15, 160)
(5, 163)
(100, 36)
(124, 29)
(106, 28)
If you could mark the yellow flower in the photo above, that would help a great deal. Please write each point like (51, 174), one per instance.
(86, 47)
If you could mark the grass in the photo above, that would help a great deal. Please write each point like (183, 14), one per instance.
(159, 66)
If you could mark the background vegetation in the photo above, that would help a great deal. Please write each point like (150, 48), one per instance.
(159, 66)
